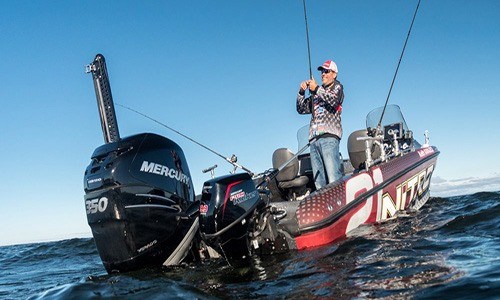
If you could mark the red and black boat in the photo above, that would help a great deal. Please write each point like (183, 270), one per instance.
(388, 171)
(142, 209)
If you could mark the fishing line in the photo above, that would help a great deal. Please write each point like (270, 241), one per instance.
(229, 160)
(397, 68)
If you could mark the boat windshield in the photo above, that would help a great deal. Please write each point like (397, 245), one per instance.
(303, 138)
(392, 115)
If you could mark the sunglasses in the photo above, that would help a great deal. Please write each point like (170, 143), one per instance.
(325, 71)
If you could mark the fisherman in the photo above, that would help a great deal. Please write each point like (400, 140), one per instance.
(325, 129)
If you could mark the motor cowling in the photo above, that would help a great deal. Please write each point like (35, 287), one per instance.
(226, 210)
(139, 200)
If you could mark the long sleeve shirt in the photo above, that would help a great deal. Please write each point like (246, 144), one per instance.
(325, 105)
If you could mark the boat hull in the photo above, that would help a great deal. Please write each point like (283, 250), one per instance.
(366, 197)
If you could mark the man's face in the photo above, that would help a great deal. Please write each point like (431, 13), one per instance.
(327, 76)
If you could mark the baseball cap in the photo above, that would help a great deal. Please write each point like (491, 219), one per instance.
(329, 65)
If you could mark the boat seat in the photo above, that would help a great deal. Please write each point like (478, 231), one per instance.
(289, 179)
(357, 153)
(305, 167)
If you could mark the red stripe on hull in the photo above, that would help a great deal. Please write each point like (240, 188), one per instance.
(328, 234)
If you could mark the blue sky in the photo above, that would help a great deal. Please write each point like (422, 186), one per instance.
(226, 73)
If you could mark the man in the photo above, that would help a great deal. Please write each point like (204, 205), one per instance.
(325, 129)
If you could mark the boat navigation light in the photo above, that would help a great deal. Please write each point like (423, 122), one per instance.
(426, 143)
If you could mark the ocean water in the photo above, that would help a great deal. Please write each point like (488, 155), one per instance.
(449, 249)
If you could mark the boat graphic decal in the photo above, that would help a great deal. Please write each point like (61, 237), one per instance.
(355, 187)
(240, 196)
(228, 190)
(151, 167)
(96, 205)
(203, 209)
(425, 151)
(406, 193)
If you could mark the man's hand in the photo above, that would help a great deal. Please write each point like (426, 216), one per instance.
(312, 85)
(304, 84)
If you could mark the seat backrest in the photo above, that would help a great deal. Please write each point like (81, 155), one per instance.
(280, 156)
(305, 166)
(356, 148)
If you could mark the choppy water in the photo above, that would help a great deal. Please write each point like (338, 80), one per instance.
(450, 249)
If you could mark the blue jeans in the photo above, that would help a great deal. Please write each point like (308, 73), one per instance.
(325, 161)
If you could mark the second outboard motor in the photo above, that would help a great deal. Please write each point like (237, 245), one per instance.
(227, 206)
(139, 195)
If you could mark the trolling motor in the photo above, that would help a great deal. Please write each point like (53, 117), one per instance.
(139, 195)
(227, 207)
(236, 218)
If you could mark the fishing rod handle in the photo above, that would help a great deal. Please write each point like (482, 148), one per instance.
(209, 169)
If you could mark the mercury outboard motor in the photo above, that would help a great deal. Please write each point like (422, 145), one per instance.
(139, 195)
(227, 208)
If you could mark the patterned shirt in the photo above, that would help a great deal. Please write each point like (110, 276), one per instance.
(325, 105)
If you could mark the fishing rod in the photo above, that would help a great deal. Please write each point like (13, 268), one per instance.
(274, 172)
(397, 68)
(231, 160)
(307, 38)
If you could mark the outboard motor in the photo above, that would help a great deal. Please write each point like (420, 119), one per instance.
(139, 195)
(227, 207)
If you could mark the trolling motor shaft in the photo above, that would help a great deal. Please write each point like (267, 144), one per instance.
(104, 98)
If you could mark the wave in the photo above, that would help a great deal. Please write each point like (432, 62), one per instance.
(32, 253)
(449, 248)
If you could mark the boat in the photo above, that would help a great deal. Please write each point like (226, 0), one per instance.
(142, 209)
(279, 210)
